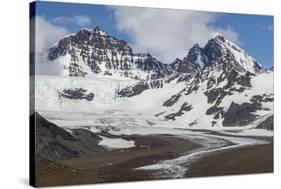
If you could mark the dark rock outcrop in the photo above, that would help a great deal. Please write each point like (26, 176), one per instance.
(261, 98)
(266, 124)
(76, 70)
(216, 95)
(213, 110)
(77, 94)
(140, 87)
(171, 101)
(192, 63)
(240, 115)
(184, 108)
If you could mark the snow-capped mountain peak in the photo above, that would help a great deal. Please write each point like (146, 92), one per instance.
(95, 52)
(192, 63)
(196, 56)
(220, 49)
(93, 31)
(97, 30)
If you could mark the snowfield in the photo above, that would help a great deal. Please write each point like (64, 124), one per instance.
(116, 143)
(108, 109)
(47, 90)
(105, 90)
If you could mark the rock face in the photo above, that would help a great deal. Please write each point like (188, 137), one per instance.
(219, 49)
(95, 52)
(266, 124)
(184, 108)
(55, 143)
(140, 87)
(213, 110)
(239, 115)
(193, 62)
(171, 101)
(77, 94)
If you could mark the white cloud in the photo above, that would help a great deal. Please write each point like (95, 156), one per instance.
(83, 20)
(230, 33)
(46, 35)
(270, 27)
(168, 34)
(79, 20)
(265, 27)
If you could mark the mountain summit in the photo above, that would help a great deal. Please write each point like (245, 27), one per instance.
(218, 50)
(221, 50)
(193, 62)
(93, 51)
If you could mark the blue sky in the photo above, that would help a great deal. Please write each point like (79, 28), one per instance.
(254, 33)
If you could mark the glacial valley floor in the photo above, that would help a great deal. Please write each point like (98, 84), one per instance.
(119, 165)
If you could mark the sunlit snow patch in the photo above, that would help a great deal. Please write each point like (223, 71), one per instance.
(116, 142)
(164, 170)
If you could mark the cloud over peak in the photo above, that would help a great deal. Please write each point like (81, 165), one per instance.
(47, 34)
(79, 20)
(167, 33)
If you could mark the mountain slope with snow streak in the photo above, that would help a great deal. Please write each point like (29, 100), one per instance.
(218, 103)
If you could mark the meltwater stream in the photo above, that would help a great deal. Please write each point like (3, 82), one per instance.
(211, 143)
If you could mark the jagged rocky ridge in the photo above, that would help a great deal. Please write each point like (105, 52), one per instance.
(219, 54)
(95, 52)
(193, 62)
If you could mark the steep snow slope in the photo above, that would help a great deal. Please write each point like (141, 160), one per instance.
(49, 90)
(219, 48)
(52, 94)
(210, 108)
